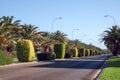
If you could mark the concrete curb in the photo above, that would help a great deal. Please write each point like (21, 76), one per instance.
(19, 63)
(97, 75)
(99, 72)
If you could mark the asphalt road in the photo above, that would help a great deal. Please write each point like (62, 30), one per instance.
(83, 68)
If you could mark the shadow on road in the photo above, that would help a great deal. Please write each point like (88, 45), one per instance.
(79, 63)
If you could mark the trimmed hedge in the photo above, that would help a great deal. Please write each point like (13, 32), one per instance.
(74, 52)
(81, 52)
(91, 52)
(6, 58)
(46, 56)
(59, 50)
(87, 52)
(96, 52)
(99, 53)
(25, 50)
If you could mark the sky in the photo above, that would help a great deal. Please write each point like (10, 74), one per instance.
(85, 15)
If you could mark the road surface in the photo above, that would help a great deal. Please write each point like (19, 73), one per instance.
(83, 68)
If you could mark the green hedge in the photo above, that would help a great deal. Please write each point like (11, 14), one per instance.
(96, 52)
(59, 50)
(87, 52)
(6, 58)
(25, 50)
(91, 52)
(81, 52)
(99, 52)
(47, 56)
(74, 52)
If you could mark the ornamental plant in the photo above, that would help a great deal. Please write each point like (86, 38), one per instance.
(96, 52)
(87, 52)
(59, 50)
(25, 50)
(81, 52)
(74, 52)
(91, 52)
(6, 58)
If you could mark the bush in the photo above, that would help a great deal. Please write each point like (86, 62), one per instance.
(46, 56)
(59, 50)
(87, 52)
(81, 52)
(25, 50)
(74, 52)
(14, 54)
(91, 52)
(6, 58)
(96, 52)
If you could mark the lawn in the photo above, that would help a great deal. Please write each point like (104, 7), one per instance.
(112, 69)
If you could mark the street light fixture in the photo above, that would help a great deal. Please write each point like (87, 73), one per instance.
(111, 18)
(54, 21)
(73, 31)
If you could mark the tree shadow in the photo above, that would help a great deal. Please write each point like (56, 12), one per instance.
(113, 64)
(89, 63)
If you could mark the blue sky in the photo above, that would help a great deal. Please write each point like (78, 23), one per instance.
(85, 15)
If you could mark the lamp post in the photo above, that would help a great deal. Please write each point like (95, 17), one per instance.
(111, 18)
(54, 21)
(73, 31)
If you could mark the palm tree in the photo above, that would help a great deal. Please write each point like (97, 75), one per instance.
(6, 27)
(30, 32)
(111, 39)
(50, 39)
(59, 37)
(47, 43)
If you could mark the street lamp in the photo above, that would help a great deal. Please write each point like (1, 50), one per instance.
(73, 31)
(111, 18)
(54, 21)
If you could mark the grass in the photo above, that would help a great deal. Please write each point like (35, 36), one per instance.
(112, 69)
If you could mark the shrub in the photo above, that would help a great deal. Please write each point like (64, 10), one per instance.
(6, 58)
(99, 52)
(14, 54)
(74, 52)
(59, 50)
(81, 52)
(87, 52)
(25, 50)
(91, 52)
(47, 56)
(96, 52)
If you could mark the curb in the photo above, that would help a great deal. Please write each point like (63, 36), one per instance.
(97, 75)
(99, 72)
(18, 63)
